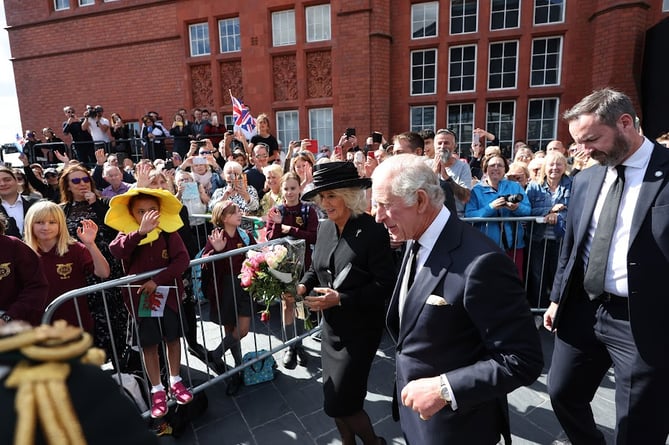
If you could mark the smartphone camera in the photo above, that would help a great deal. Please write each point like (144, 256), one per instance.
(350, 132)
(169, 164)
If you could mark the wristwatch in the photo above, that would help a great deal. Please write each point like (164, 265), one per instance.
(443, 390)
(6, 318)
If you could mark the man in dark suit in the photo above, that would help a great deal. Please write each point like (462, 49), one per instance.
(13, 205)
(617, 315)
(465, 335)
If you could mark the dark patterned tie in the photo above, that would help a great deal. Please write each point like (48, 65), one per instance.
(411, 264)
(593, 282)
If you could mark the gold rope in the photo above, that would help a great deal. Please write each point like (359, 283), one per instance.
(41, 388)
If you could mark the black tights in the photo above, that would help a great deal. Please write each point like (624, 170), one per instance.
(356, 425)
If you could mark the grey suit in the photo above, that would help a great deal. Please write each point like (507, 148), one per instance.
(481, 335)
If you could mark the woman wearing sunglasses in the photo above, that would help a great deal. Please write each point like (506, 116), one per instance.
(81, 200)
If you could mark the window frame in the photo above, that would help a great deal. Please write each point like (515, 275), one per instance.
(665, 5)
(64, 5)
(506, 13)
(193, 43)
(278, 33)
(281, 131)
(546, 57)
(424, 80)
(236, 38)
(464, 129)
(495, 127)
(542, 121)
(326, 32)
(326, 132)
(423, 125)
(503, 58)
(548, 6)
(461, 63)
(463, 17)
(85, 3)
(424, 5)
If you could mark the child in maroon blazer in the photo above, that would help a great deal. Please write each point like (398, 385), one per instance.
(144, 249)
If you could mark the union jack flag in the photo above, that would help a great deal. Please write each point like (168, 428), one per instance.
(243, 119)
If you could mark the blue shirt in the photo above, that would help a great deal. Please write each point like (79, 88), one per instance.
(479, 206)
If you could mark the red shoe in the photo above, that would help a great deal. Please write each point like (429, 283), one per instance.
(158, 404)
(181, 393)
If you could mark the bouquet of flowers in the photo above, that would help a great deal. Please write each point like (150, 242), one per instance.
(269, 272)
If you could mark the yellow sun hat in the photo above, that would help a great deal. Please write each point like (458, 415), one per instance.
(119, 216)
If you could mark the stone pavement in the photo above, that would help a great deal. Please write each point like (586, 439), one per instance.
(288, 410)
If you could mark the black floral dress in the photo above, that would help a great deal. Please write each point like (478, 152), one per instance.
(118, 315)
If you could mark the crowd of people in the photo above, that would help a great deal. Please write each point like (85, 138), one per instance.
(471, 281)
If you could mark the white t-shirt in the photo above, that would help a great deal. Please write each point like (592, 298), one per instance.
(96, 132)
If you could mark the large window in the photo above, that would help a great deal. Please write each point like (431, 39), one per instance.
(199, 39)
(424, 20)
(423, 72)
(287, 127)
(502, 65)
(542, 119)
(320, 126)
(550, 11)
(546, 61)
(283, 28)
(665, 5)
(228, 33)
(462, 69)
(460, 119)
(422, 117)
(504, 14)
(59, 5)
(499, 121)
(464, 15)
(318, 23)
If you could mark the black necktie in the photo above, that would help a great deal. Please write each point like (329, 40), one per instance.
(411, 263)
(593, 282)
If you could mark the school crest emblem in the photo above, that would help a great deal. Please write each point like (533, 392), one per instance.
(64, 270)
(5, 270)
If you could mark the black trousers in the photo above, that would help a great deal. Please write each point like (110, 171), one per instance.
(592, 336)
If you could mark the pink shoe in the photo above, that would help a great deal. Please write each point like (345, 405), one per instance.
(181, 393)
(158, 404)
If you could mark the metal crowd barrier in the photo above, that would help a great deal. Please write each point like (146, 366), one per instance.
(539, 303)
(195, 383)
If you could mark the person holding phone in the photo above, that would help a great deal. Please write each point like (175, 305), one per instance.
(264, 135)
(236, 190)
(181, 131)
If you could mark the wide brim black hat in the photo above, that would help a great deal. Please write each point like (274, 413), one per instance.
(335, 175)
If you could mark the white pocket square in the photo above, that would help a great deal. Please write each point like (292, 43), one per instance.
(436, 300)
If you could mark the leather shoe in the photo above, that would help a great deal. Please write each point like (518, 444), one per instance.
(289, 359)
(216, 363)
(302, 356)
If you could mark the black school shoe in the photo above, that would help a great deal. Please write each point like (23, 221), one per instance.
(302, 356)
(290, 358)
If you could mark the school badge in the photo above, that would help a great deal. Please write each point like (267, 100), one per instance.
(299, 221)
(5, 270)
(64, 270)
(165, 255)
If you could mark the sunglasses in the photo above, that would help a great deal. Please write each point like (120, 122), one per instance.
(76, 181)
(50, 175)
(205, 153)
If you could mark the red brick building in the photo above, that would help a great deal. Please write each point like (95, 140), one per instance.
(511, 66)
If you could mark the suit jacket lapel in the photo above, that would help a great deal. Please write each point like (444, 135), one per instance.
(393, 314)
(594, 187)
(654, 179)
(426, 281)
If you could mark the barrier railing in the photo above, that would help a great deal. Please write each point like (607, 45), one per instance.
(537, 284)
(196, 384)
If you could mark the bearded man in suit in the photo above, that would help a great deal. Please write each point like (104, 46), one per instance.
(608, 304)
(464, 331)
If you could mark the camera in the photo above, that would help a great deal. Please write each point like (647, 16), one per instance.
(92, 111)
(350, 132)
(202, 143)
(169, 164)
(514, 198)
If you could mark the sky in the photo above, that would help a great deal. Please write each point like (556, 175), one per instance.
(10, 122)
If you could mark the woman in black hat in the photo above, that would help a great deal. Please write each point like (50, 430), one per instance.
(351, 276)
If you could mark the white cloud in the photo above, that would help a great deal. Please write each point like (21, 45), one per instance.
(10, 121)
